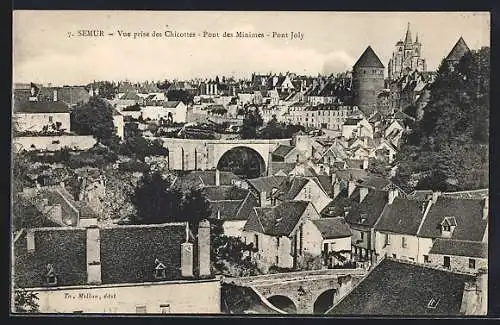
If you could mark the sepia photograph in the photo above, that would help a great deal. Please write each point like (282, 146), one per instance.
(242, 162)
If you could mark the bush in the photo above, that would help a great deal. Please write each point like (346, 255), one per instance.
(133, 166)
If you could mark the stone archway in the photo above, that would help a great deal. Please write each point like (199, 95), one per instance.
(243, 161)
(324, 301)
(283, 303)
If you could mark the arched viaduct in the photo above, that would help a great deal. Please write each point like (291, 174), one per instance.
(194, 154)
(308, 292)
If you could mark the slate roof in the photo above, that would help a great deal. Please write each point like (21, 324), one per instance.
(369, 209)
(467, 212)
(266, 184)
(332, 228)
(133, 261)
(226, 209)
(397, 288)
(368, 60)
(326, 183)
(458, 50)
(276, 166)
(40, 107)
(282, 150)
(279, 220)
(356, 174)
(246, 208)
(402, 216)
(459, 248)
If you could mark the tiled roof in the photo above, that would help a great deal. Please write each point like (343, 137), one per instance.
(352, 121)
(397, 288)
(332, 228)
(326, 183)
(245, 209)
(369, 210)
(458, 50)
(226, 210)
(467, 212)
(64, 248)
(266, 184)
(276, 166)
(402, 216)
(279, 220)
(356, 174)
(40, 107)
(204, 178)
(459, 248)
(282, 150)
(420, 195)
(130, 95)
(368, 60)
(292, 187)
(128, 253)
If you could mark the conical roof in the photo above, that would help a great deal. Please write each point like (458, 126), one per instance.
(458, 50)
(368, 60)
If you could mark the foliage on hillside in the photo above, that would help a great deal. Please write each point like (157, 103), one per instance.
(448, 148)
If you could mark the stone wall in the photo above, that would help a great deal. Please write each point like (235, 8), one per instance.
(54, 143)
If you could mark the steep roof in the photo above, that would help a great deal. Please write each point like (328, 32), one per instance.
(468, 214)
(279, 220)
(332, 228)
(374, 182)
(292, 187)
(368, 60)
(459, 248)
(226, 209)
(458, 50)
(267, 183)
(402, 216)
(218, 193)
(282, 150)
(171, 104)
(133, 262)
(398, 288)
(204, 178)
(369, 210)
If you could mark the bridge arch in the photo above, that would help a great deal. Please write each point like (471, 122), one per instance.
(243, 160)
(324, 301)
(283, 303)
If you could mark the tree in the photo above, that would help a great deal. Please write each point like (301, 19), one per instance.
(194, 208)
(156, 201)
(447, 148)
(26, 301)
(180, 95)
(251, 122)
(94, 118)
(106, 89)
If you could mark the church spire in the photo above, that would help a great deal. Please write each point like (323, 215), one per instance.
(408, 35)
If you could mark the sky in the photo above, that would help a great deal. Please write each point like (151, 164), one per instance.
(43, 51)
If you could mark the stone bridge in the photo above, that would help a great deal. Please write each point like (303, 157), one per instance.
(193, 154)
(305, 292)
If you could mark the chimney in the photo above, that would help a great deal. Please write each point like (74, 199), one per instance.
(336, 189)
(187, 256)
(482, 291)
(93, 255)
(217, 177)
(485, 209)
(204, 248)
(263, 199)
(392, 195)
(30, 240)
(55, 95)
(365, 164)
(350, 187)
(363, 192)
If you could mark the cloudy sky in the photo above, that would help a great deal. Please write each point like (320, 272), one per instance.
(332, 42)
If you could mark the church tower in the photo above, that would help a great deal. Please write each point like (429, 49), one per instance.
(406, 58)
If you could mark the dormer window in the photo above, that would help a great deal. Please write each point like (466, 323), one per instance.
(432, 304)
(447, 226)
(160, 270)
(51, 276)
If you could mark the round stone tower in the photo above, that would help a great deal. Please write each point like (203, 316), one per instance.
(367, 81)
